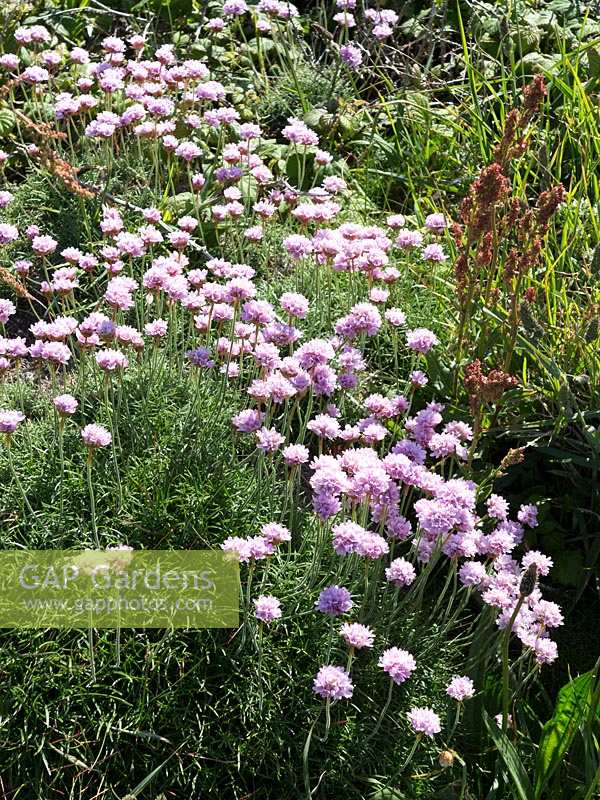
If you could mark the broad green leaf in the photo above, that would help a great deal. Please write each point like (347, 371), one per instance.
(571, 708)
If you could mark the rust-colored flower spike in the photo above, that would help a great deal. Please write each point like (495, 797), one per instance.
(514, 142)
(64, 171)
(534, 95)
(547, 204)
(44, 130)
(488, 191)
(9, 279)
(484, 388)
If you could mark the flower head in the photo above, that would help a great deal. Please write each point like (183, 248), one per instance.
(334, 600)
(460, 688)
(400, 572)
(267, 608)
(333, 683)
(424, 720)
(421, 340)
(356, 635)
(65, 404)
(399, 664)
(9, 421)
(95, 435)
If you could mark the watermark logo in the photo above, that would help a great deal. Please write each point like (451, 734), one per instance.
(118, 588)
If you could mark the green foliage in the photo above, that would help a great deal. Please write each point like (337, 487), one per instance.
(198, 712)
(576, 714)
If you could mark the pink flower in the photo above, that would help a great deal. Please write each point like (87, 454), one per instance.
(407, 239)
(56, 352)
(333, 683)
(334, 600)
(421, 340)
(10, 420)
(436, 223)
(267, 608)
(434, 252)
(460, 688)
(44, 245)
(156, 329)
(294, 304)
(395, 317)
(399, 664)
(400, 572)
(7, 309)
(527, 515)
(111, 360)
(298, 132)
(396, 221)
(8, 233)
(65, 404)
(324, 426)
(238, 547)
(542, 563)
(269, 440)
(248, 421)
(295, 454)
(273, 533)
(95, 435)
(424, 720)
(356, 635)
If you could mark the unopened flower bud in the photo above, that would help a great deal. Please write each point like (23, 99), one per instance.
(528, 581)
(446, 758)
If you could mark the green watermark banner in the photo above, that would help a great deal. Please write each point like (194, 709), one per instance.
(118, 588)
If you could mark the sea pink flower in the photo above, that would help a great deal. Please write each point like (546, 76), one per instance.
(424, 720)
(295, 454)
(542, 563)
(421, 340)
(527, 515)
(436, 223)
(44, 245)
(400, 572)
(460, 688)
(399, 664)
(395, 317)
(10, 420)
(269, 440)
(294, 304)
(8, 233)
(156, 329)
(357, 636)
(111, 360)
(95, 435)
(408, 239)
(333, 683)
(7, 309)
(434, 252)
(65, 404)
(334, 600)
(274, 533)
(267, 608)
